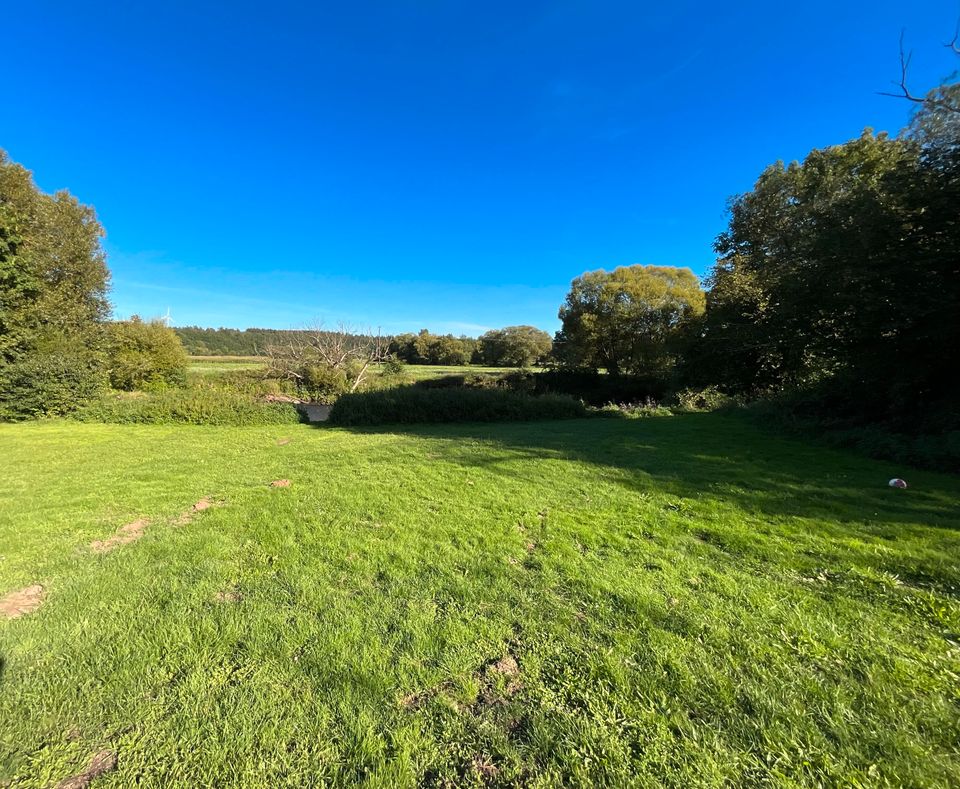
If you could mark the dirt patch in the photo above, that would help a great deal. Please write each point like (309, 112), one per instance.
(413, 701)
(280, 483)
(125, 534)
(507, 665)
(23, 601)
(204, 504)
(499, 681)
(232, 595)
(102, 762)
(282, 442)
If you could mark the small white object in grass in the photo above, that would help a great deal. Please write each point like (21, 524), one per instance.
(896, 482)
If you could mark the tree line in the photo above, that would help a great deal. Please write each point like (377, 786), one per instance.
(836, 290)
(512, 346)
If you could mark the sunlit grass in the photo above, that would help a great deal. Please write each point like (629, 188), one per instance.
(688, 602)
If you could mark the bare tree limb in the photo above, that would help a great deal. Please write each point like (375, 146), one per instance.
(928, 100)
(954, 43)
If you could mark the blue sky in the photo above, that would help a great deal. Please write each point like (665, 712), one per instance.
(448, 165)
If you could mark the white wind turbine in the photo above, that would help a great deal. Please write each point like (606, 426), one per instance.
(166, 318)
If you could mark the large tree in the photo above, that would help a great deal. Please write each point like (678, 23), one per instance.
(515, 346)
(53, 286)
(629, 320)
(842, 273)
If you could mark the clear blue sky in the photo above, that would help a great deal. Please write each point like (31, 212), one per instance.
(448, 165)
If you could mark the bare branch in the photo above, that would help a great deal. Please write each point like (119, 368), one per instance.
(928, 100)
(954, 43)
(904, 68)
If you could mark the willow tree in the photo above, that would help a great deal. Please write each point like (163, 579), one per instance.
(629, 320)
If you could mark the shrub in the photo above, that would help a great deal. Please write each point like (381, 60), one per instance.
(50, 381)
(145, 355)
(710, 398)
(596, 389)
(634, 410)
(199, 405)
(411, 404)
(394, 367)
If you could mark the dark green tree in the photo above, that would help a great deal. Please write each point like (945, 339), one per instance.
(841, 275)
(515, 346)
(53, 302)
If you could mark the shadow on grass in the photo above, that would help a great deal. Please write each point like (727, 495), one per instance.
(722, 457)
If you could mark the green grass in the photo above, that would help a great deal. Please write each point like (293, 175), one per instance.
(204, 366)
(690, 602)
(421, 372)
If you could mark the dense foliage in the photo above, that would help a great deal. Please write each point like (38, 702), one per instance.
(53, 285)
(840, 277)
(410, 404)
(145, 354)
(195, 405)
(629, 320)
(427, 348)
(515, 346)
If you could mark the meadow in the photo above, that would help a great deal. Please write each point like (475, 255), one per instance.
(211, 366)
(676, 601)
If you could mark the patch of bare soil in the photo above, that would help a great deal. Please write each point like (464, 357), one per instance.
(231, 595)
(125, 534)
(204, 504)
(22, 601)
(282, 442)
(280, 483)
(499, 681)
(104, 761)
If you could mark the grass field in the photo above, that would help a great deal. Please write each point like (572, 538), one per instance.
(678, 601)
(216, 365)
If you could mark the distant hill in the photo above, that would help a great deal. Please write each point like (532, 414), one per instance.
(228, 342)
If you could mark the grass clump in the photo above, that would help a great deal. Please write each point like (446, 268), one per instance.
(195, 405)
(410, 405)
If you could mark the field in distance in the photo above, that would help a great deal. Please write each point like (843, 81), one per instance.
(216, 365)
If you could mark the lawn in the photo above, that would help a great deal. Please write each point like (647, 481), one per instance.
(679, 601)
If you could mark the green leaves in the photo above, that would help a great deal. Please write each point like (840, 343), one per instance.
(53, 284)
(629, 320)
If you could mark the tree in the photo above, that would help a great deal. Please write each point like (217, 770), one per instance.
(53, 304)
(427, 348)
(515, 346)
(842, 274)
(629, 320)
(145, 353)
(324, 364)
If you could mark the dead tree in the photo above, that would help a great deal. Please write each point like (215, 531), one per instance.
(342, 351)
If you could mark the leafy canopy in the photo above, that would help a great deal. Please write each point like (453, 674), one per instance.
(629, 320)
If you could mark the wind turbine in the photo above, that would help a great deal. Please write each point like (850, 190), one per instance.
(166, 318)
